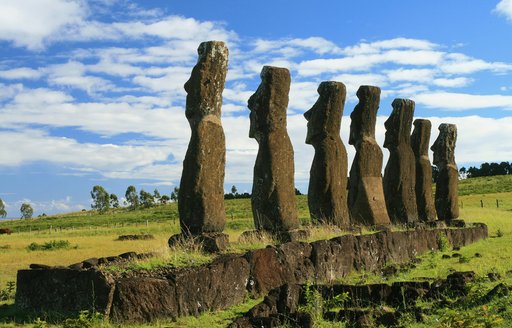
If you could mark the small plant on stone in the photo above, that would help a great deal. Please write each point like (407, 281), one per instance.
(464, 259)
(314, 303)
(499, 233)
(39, 323)
(443, 243)
(8, 292)
(85, 319)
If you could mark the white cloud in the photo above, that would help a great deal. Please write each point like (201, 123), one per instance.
(73, 74)
(20, 74)
(37, 146)
(397, 43)
(415, 74)
(294, 47)
(462, 101)
(452, 82)
(29, 23)
(504, 7)
(109, 119)
(457, 63)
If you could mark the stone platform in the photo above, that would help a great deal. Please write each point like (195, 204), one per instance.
(169, 293)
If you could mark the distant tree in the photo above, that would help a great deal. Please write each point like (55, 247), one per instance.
(114, 201)
(505, 167)
(463, 174)
(297, 192)
(3, 212)
(156, 196)
(165, 199)
(131, 197)
(100, 199)
(234, 191)
(175, 194)
(26, 211)
(146, 199)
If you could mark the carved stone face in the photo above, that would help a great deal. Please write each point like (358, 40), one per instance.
(355, 126)
(392, 126)
(314, 124)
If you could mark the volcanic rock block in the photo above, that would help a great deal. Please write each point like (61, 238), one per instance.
(366, 195)
(400, 173)
(273, 191)
(143, 299)
(447, 199)
(63, 290)
(201, 196)
(419, 143)
(327, 192)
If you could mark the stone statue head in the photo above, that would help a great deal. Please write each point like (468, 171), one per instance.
(364, 115)
(269, 103)
(398, 125)
(420, 137)
(444, 146)
(206, 83)
(324, 118)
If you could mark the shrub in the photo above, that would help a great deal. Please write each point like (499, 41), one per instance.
(50, 245)
(443, 243)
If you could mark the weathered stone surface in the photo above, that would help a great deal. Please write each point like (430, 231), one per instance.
(366, 195)
(268, 269)
(212, 287)
(400, 172)
(333, 258)
(447, 186)
(273, 191)
(201, 196)
(143, 299)
(63, 291)
(212, 242)
(327, 192)
(297, 257)
(419, 142)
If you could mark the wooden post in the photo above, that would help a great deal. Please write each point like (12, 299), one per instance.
(481, 203)
(497, 203)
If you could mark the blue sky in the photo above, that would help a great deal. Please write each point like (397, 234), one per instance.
(91, 92)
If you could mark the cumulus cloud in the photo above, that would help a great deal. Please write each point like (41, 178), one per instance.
(504, 8)
(463, 101)
(30, 23)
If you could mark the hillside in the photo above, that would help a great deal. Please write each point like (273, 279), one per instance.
(485, 185)
(235, 208)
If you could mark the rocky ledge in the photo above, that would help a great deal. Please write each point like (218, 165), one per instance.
(227, 280)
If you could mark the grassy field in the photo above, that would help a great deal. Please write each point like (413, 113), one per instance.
(92, 235)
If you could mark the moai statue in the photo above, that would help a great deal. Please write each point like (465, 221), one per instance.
(273, 191)
(327, 193)
(201, 196)
(400, 172)
(419, 142)
(447, 202)
(366, 195)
